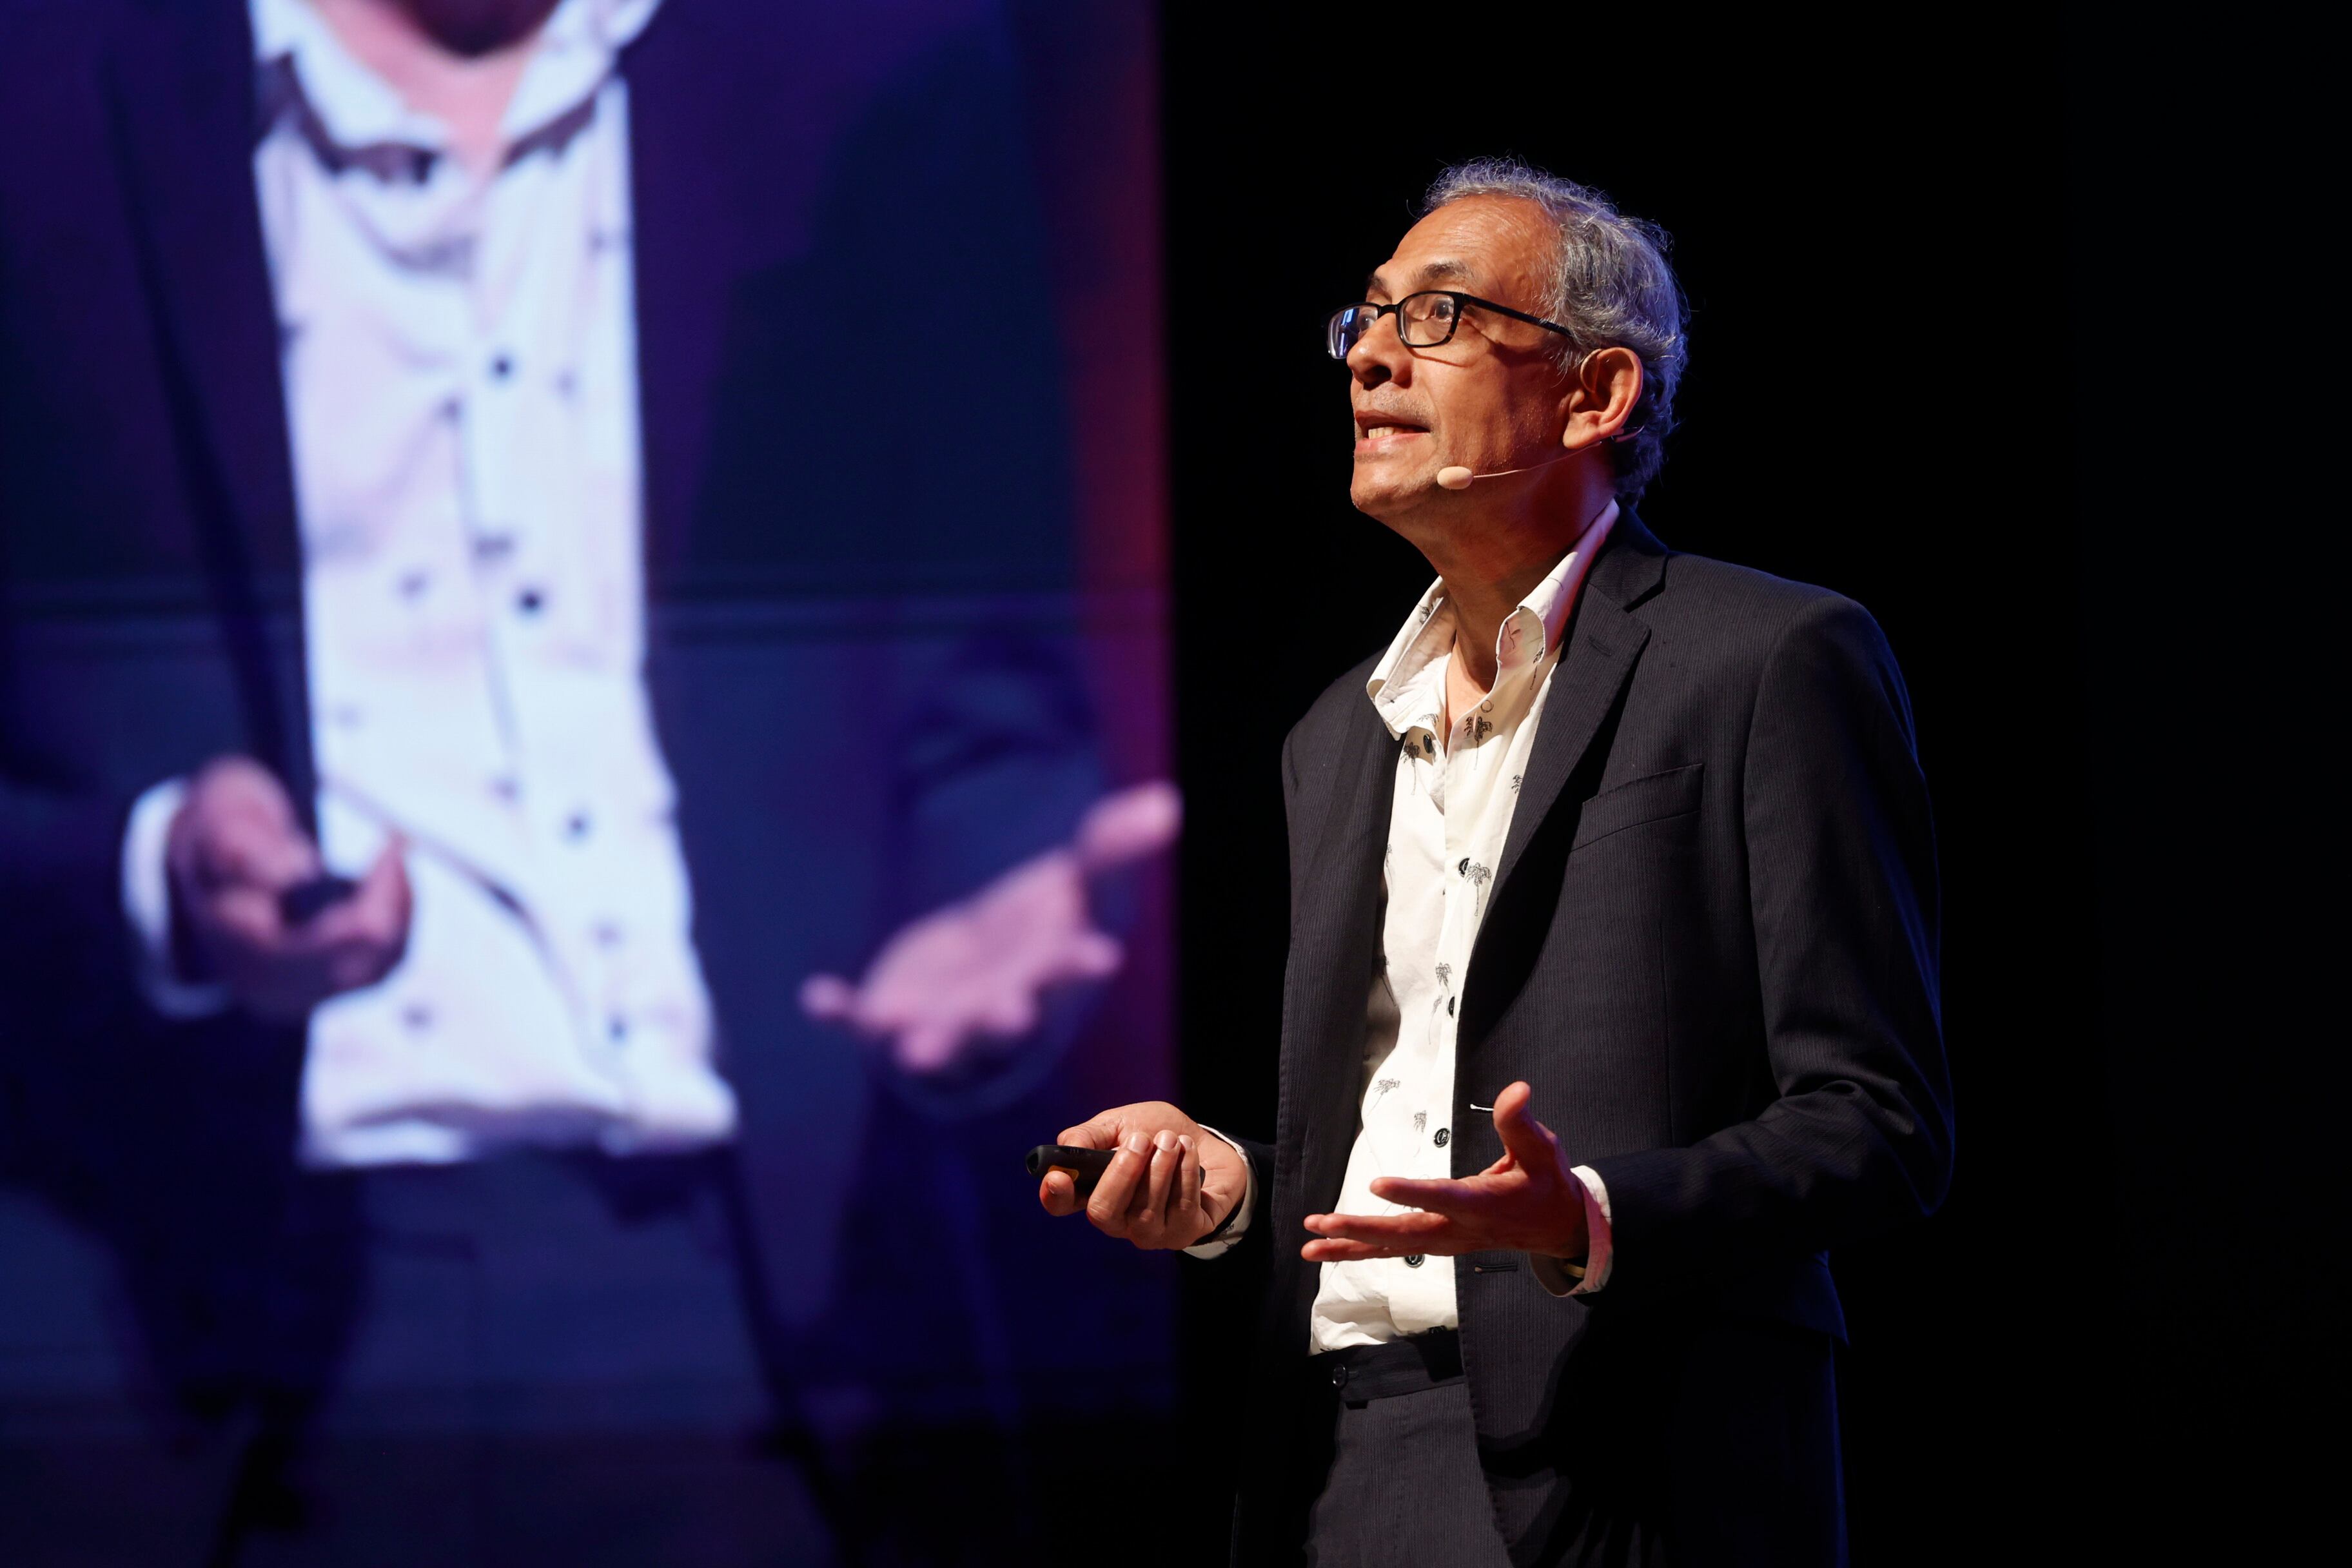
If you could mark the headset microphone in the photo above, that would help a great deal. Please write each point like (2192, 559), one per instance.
(1457, 477)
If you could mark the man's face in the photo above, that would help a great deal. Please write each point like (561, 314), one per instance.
(1491, 398)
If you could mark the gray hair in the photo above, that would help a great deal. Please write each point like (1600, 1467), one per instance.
(1610, 286)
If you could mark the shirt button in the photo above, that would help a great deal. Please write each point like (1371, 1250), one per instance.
(1465, 868)
(530, 600)
(502, 367)
(1415, 1261)
(1449, 1006)
(1442, 1138)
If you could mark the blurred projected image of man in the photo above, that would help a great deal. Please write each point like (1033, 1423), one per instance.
(443, 828)
(1613, 992)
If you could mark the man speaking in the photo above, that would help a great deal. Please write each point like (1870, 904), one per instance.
(1612, 996)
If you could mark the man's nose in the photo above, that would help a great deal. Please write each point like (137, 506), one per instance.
(1380, 355)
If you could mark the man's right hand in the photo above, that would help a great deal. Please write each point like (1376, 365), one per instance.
(1171, 1183)
(234, 846)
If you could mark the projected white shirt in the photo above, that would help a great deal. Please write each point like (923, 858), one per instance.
(460, 377)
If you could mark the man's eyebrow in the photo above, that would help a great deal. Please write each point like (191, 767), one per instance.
(1426, 274)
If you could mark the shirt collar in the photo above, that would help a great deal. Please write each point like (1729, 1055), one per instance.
(357, 108)
(1407, 686)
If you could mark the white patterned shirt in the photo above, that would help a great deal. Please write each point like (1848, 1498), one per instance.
(460, 372)
(1450, 817)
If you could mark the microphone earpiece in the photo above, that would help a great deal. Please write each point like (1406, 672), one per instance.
(1455, 478)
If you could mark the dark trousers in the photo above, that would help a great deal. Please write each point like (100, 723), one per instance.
(1732, 1462)
(1405, 1485)
(547, 1358)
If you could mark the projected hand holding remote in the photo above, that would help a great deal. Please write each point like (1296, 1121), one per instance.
(258, 912)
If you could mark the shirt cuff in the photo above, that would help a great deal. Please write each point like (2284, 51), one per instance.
(1225, 1243)
(147, 909)
(1563, 1277)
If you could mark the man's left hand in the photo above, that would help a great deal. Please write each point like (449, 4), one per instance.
(1527, 1201)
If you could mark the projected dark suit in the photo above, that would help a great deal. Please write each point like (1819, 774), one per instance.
(170, 1270)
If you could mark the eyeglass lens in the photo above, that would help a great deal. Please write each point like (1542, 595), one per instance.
(1423, 320)
(1348, 327)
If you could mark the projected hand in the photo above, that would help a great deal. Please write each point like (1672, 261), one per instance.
(236, 846)
(1171, 1182)
(1527, 1201)
(978, 970)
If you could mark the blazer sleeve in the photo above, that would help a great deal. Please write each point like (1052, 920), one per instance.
(1843, 901)
(60, 901)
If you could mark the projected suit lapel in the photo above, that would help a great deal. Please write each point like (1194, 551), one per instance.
(183, 102)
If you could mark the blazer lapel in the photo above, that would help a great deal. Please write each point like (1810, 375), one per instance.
(184, 107)
(183, 103)
(681, 229)
(1603, 642)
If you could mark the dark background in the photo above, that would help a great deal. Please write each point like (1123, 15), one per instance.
(1991, 329)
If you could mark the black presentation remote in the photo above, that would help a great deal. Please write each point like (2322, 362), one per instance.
(1086, 1165)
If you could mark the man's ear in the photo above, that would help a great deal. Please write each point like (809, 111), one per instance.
(1607, 389)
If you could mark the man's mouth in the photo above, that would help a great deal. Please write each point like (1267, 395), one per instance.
(1378, 433)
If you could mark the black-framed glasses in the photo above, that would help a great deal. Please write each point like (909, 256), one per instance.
(1423, 320)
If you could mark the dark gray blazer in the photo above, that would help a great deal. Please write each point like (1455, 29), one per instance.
(1712, 952)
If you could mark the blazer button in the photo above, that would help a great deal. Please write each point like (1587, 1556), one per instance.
(1415, 1261)
(1338, 1377)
